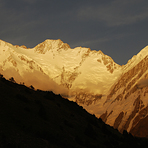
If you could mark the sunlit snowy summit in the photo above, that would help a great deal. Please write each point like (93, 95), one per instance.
(72, 69)
(88, 77)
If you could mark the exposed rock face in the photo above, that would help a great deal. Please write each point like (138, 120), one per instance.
(118, 120)
(67, 77)
(134, 74)
(126, 104)
(140, 128)
(87, 98)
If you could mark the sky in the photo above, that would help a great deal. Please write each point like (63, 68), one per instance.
(119, 28)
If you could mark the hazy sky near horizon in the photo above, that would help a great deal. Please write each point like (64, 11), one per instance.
(117, 27)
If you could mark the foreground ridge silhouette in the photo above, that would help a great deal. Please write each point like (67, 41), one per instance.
(35, 118)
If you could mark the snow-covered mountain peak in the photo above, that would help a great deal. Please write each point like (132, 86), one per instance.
(75, 69)
(51, 45)
(136, 59)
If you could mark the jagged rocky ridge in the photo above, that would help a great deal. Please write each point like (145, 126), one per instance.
(92, 79)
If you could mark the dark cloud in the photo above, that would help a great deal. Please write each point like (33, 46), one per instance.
(117, 13)
(118, 28)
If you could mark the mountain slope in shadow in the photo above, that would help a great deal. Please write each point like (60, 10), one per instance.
(33, 118)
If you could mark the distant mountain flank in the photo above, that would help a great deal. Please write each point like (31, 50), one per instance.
(117, 94)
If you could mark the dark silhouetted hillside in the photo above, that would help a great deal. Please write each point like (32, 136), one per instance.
(39, 119)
